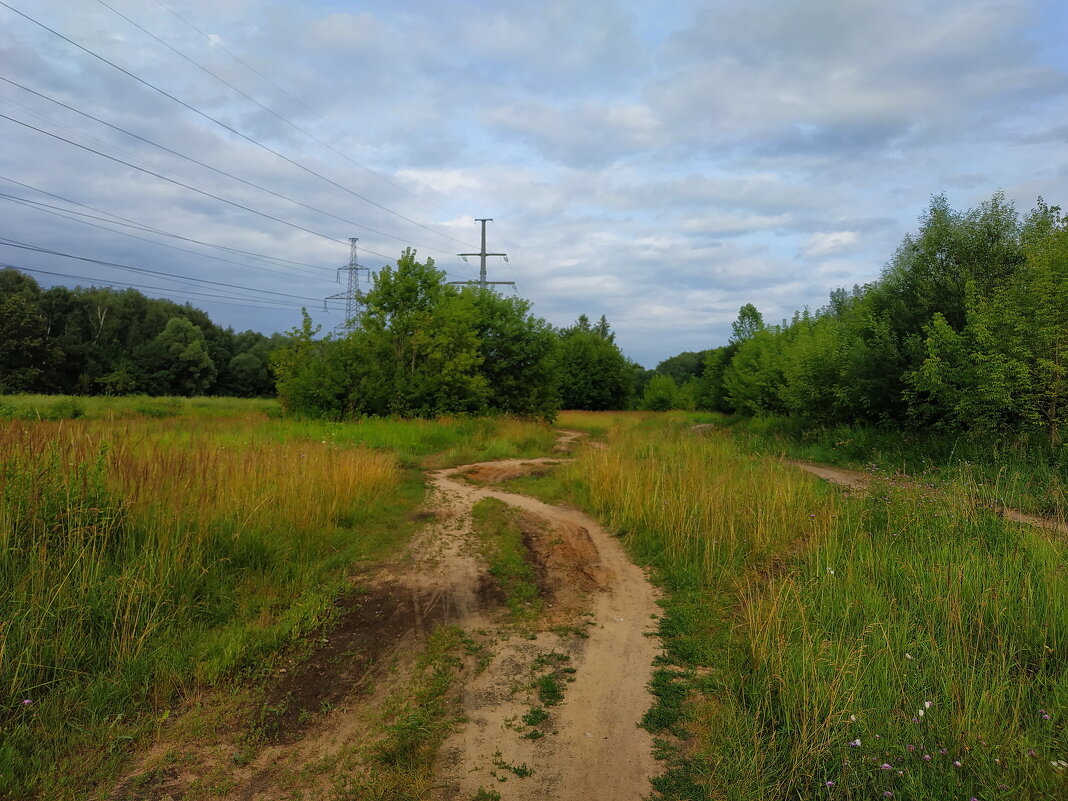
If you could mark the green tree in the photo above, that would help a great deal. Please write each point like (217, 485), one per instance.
(594, 373)
(520, 356)
(748, 323)
(26, 352)
(417, 350)
(660, 394)
(177, 361)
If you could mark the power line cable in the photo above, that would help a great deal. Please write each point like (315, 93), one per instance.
(127, 222)
(214, 42)
(176, 181)
(171, 276)
(67, 214)
(263, 304)
(227, 127)
(216, 170)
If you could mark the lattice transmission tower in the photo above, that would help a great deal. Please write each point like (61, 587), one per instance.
(353, 295)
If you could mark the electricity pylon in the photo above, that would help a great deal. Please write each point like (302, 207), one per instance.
(482, 283)
(353, 295)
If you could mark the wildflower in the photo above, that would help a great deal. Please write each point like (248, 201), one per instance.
(27, 701)
(853, 718)
(926, 704)
(829, 570)
(829, 784)
(888, 794)
(911, 747)
(926, 757)
(855, 743)
(943, 751)
(1045, 717)
(901, 773)
(886, 766)
(908, 655)
(878, 737)
(1031, 752)
(920, 713)
(956, 763)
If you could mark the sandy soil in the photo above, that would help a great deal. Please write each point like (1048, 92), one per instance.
(599, 609)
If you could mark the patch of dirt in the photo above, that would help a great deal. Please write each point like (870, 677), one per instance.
(370, 624)
(592, 746)
(500, 472)
(149, 786)
(565, 440)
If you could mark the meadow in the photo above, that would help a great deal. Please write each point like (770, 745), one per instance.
(891, 644)
(150, 548)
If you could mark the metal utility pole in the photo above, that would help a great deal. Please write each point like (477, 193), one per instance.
(482, 283)
(353, 295)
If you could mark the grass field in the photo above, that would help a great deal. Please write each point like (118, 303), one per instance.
(822, 646)
(894, 643)
(144, 556)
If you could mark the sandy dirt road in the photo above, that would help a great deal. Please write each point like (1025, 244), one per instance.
(595, 749)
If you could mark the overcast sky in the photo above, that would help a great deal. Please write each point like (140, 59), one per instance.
(661, 163)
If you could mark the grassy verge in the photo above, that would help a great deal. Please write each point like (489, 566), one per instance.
(143, 559)
(825, 647)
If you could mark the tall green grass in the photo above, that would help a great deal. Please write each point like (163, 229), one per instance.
(826, 647)
(70, 407)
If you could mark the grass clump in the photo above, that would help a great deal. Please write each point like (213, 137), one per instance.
(399, 763)
(509, 559)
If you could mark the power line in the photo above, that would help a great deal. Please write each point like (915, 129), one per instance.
(262, 304)
(67, 214)
(172, 180)
(216, 170)
(128, 223)
(223, 125)
(215, 43)
(171, 276)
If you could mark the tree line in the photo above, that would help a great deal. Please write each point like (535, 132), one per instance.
(102, 341)
(423, 347)
(965, 330)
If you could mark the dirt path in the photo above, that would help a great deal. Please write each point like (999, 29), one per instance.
(590, 642)
(595, 749)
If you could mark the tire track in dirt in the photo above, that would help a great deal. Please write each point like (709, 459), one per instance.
(596, 749)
